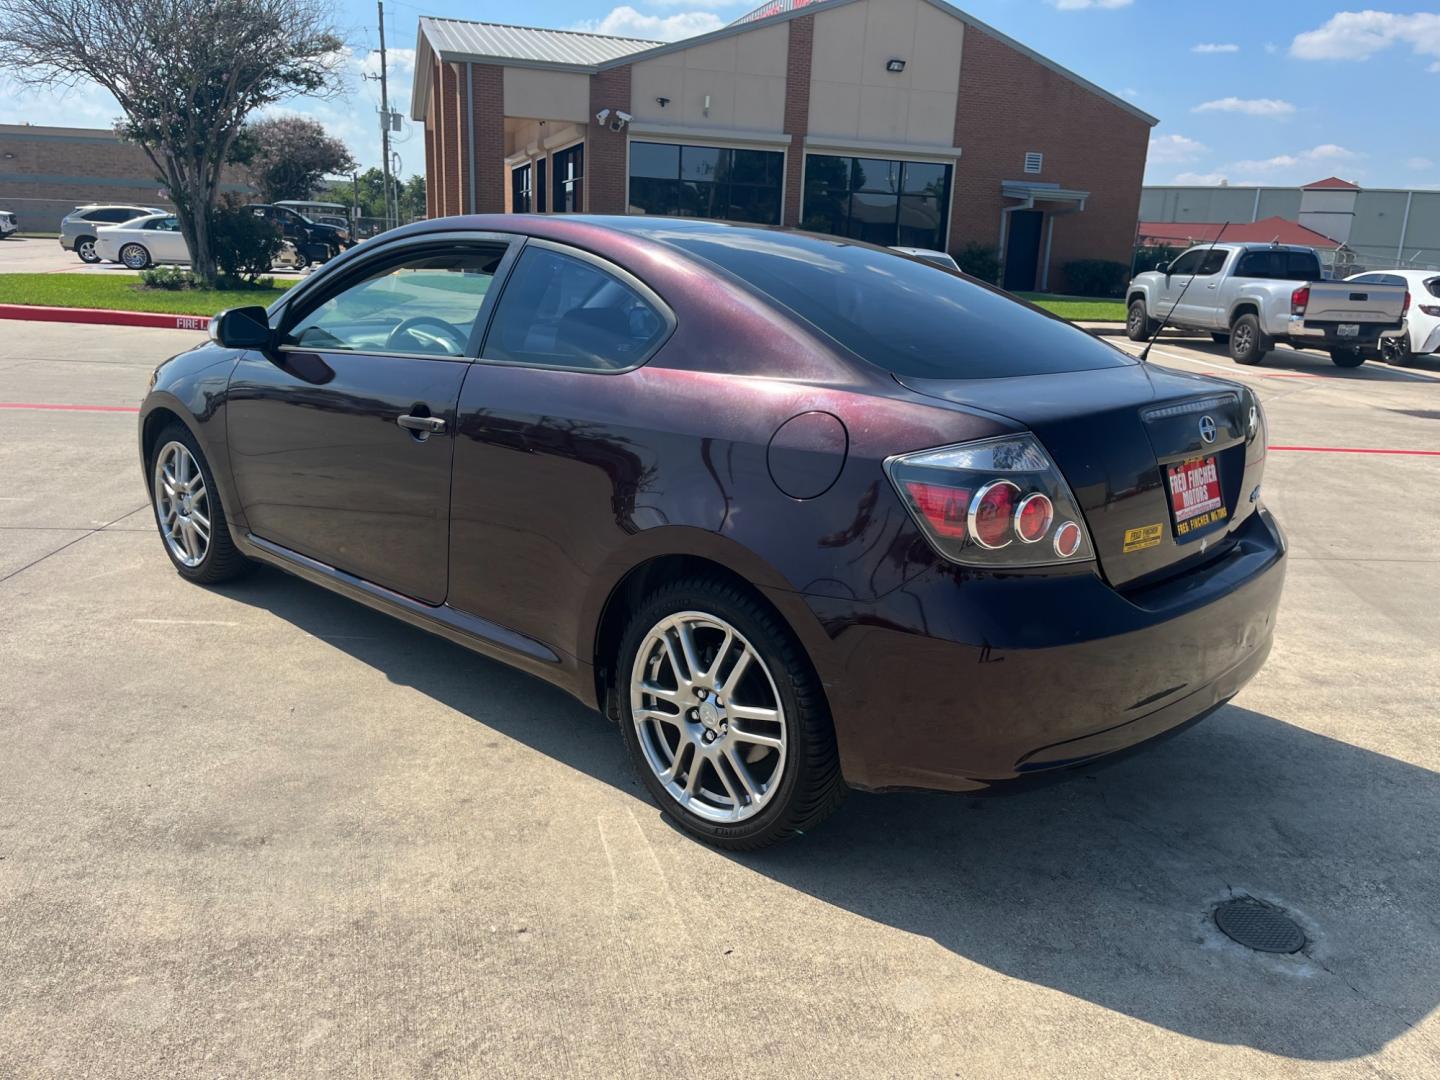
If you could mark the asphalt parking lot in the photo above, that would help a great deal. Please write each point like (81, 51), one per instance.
(259, 830)
(44, 255)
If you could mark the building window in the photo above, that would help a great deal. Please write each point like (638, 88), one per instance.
(569, 175)
(520, 189)
(877, 200)
(706, 182)
(1034, 161)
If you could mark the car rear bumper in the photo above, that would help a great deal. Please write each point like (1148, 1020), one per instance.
(961, 684)
(1328, 334)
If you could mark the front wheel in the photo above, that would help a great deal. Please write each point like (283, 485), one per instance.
(1248, 342)
(724, 717)
(188, 511)
(135, 256)
(85, 248)
(1347, 356)
(1138, 324)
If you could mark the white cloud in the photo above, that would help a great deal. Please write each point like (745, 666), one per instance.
(625, 21)
(1131, 93)
(1419, 164)
(1271, 48)
(1326, 154)
(1269, 107)
(1173, 149)
(1209, 48)
(1359, 35)
(1082, 5)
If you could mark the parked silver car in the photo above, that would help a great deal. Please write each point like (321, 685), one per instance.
(8, 223)
(78, 228)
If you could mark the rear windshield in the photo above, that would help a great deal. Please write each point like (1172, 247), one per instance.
(908, 316)
(1279, 265)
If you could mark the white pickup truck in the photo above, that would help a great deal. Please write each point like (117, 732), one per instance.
(1254, 295)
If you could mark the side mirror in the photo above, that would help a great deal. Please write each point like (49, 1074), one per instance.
(1164, 268)
(242, 328)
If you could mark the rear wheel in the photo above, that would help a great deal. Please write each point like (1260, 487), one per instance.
(85, 248)
(135, 256)
(1349, 356)
(188, 511)
(724, 717)
(1138, 324)
(1248, 343)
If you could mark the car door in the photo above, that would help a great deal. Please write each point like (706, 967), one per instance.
(341, 439)
(1198, 305)
(539, 461)
(1180, 273)
(165, 241)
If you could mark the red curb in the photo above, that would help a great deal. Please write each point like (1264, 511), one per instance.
(102, 317)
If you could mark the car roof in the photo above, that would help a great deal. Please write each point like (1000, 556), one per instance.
(1408, 274)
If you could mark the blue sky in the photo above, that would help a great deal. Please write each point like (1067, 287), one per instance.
(1271, 91)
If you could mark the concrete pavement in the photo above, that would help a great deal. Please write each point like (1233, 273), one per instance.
(259, 830)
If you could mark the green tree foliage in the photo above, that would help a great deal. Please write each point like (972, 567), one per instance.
(370, 186)
(288, 156)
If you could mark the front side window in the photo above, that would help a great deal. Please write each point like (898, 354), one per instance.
(1187, 263)
(521, 191)
(564, 312)
(568, 167)
(724, 183)
(1212, 263)
(426, 305)
(880, 201)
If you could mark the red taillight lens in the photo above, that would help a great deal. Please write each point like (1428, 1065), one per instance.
(1033, 518)
(944, 508)
(974, 500)
(1406, 309)
(1300, 300)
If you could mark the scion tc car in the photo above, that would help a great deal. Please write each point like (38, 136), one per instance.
(798, 513)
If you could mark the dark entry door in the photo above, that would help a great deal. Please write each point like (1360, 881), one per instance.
(1022, 250)
(341, 441)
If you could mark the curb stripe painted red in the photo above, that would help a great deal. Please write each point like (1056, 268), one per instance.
(102, 317)
(44, 407)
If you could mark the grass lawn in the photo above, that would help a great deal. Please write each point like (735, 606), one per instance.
(123, 292)
(1079, 308)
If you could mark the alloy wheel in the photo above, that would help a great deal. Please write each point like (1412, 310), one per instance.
(135, 257)
(1241, 338)
(708, 717)
(87, 251)
(182, 504)
(1137, 316)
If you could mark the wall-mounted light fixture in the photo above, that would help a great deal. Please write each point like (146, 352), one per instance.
(895, 65)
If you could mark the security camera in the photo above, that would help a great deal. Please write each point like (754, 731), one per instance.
(620, 119)
(602, 116)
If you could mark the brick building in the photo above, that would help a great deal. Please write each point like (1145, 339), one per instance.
(45, 172)
(894, 121)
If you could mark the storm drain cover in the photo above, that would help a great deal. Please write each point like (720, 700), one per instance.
(1259, 926)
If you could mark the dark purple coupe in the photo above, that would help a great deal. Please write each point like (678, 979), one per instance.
(799, 513)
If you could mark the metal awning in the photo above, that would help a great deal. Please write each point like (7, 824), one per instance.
(1033, 191)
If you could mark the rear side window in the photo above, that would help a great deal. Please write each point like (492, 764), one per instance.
(563, 312)
(904, 315)
(1279, 265)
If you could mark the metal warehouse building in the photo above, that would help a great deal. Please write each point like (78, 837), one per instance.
(893, 121)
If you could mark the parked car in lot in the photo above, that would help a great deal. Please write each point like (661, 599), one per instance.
(143, 242)
(8, 224)
(1255, 295)
(1421, 334)
(317, 243)
(80, 227)
(798, 513)
(939, 258)
(322, 213)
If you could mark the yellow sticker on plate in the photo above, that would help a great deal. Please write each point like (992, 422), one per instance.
(1147, 536)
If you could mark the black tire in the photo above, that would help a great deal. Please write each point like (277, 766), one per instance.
(1347, 356)
(85, 249)
(810, 787)
(1219, 338)
(1249, 344)
(222, 560)
(1395, 351)
(135, 256)
(1138, 324)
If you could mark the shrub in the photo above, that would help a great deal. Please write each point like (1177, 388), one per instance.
(169, 278)
(245, 246)
(980, 261)
(1152, 258)
(1097, 277)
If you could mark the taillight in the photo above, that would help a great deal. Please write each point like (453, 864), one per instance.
(1300, 300)
(1430, 309)
(992, 503)
(1406, 307)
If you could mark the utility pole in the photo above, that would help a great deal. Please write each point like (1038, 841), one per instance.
(384, 116)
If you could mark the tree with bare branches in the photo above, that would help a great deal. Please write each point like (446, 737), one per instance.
(187, 74)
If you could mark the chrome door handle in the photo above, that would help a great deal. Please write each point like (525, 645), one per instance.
(432, 424)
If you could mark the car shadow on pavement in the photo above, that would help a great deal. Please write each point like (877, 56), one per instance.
(1100, 887)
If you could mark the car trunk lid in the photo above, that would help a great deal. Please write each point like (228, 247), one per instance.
(1115, 434)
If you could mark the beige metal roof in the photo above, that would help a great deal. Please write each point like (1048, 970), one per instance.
(459, 39)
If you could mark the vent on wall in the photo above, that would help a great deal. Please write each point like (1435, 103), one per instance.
(1034, 161)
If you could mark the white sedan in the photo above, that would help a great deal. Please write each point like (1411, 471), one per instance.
(1422, 319)
(155, 238)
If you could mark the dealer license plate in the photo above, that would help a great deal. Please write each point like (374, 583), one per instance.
(1195, 499)
(1348, 329)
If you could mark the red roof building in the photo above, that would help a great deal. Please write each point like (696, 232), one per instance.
(1266, 231)
(1331, 183)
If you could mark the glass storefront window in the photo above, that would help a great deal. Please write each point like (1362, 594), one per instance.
(569, 176)
(877, 200)
(724, 183)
